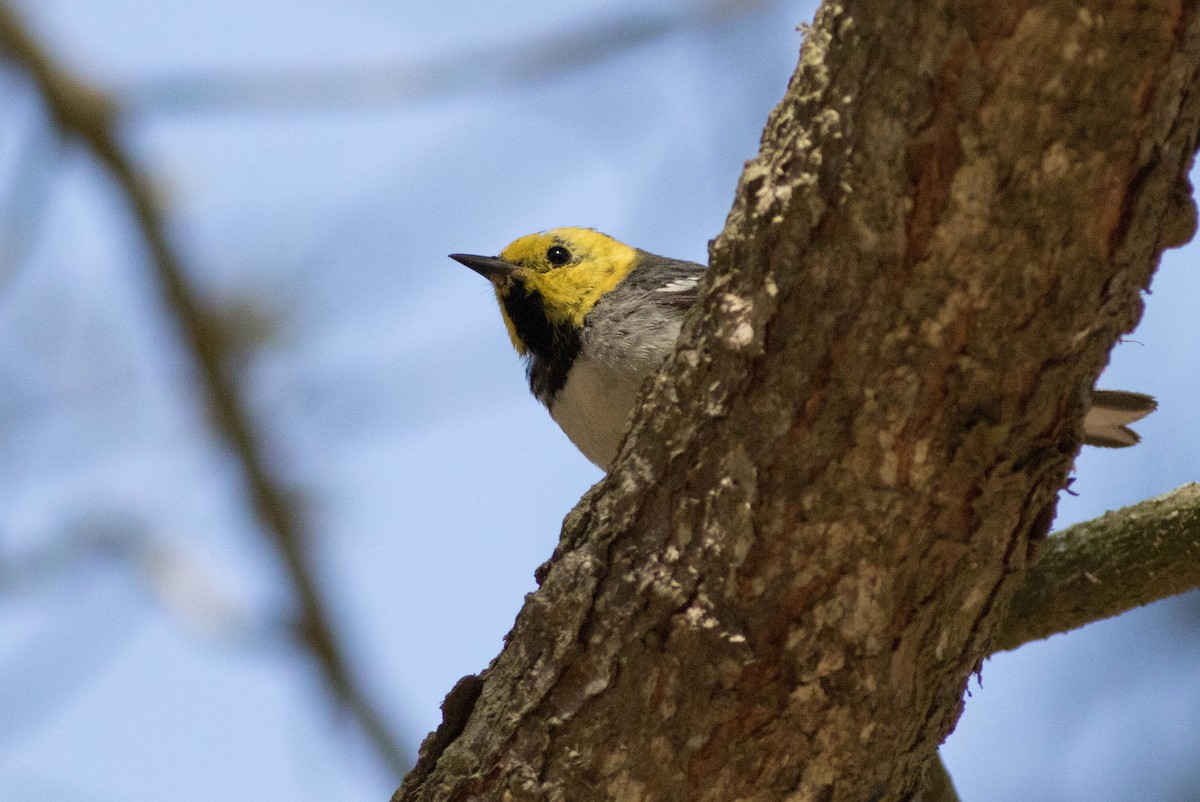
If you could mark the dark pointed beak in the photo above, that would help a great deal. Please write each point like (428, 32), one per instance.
(490, 267)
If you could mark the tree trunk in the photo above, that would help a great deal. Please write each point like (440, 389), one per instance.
(809, 539)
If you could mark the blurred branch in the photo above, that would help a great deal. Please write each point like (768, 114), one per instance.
(25, 201)
(484, 69)
(1101, 568)
(119, 539)
(87, 115)
(175, 575)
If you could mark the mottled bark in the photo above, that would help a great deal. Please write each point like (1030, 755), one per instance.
(808, 541)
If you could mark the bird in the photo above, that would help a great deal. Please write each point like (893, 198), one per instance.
(593, 317)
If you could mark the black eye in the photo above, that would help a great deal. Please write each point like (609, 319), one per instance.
(558, 255)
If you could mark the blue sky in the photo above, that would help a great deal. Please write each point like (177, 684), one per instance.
(391, 398)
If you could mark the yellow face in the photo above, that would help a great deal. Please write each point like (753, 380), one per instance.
(570, 268)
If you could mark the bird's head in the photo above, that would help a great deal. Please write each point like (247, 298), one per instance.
(547, 283)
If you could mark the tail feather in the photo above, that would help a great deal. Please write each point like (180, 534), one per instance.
(1107, 422)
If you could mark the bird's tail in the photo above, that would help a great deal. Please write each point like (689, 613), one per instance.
(1107, 422)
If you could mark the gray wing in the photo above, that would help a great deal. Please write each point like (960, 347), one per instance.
(670, 282)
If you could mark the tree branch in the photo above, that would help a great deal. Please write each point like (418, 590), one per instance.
(1101, 568)
(808, 540)
(88, 116)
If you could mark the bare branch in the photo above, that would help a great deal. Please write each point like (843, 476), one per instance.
(1101, 568)
(24, 204)
(88, 116)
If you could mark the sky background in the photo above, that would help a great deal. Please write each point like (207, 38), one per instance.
(317, 162)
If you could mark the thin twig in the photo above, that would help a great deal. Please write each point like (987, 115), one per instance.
(1100, 568)
(88, 116)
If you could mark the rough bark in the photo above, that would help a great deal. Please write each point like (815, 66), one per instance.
(808, 541)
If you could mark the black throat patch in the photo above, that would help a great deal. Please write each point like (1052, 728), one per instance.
(552, 347)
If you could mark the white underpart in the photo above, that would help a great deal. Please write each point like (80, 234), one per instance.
(594, 407)
(622, 345)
